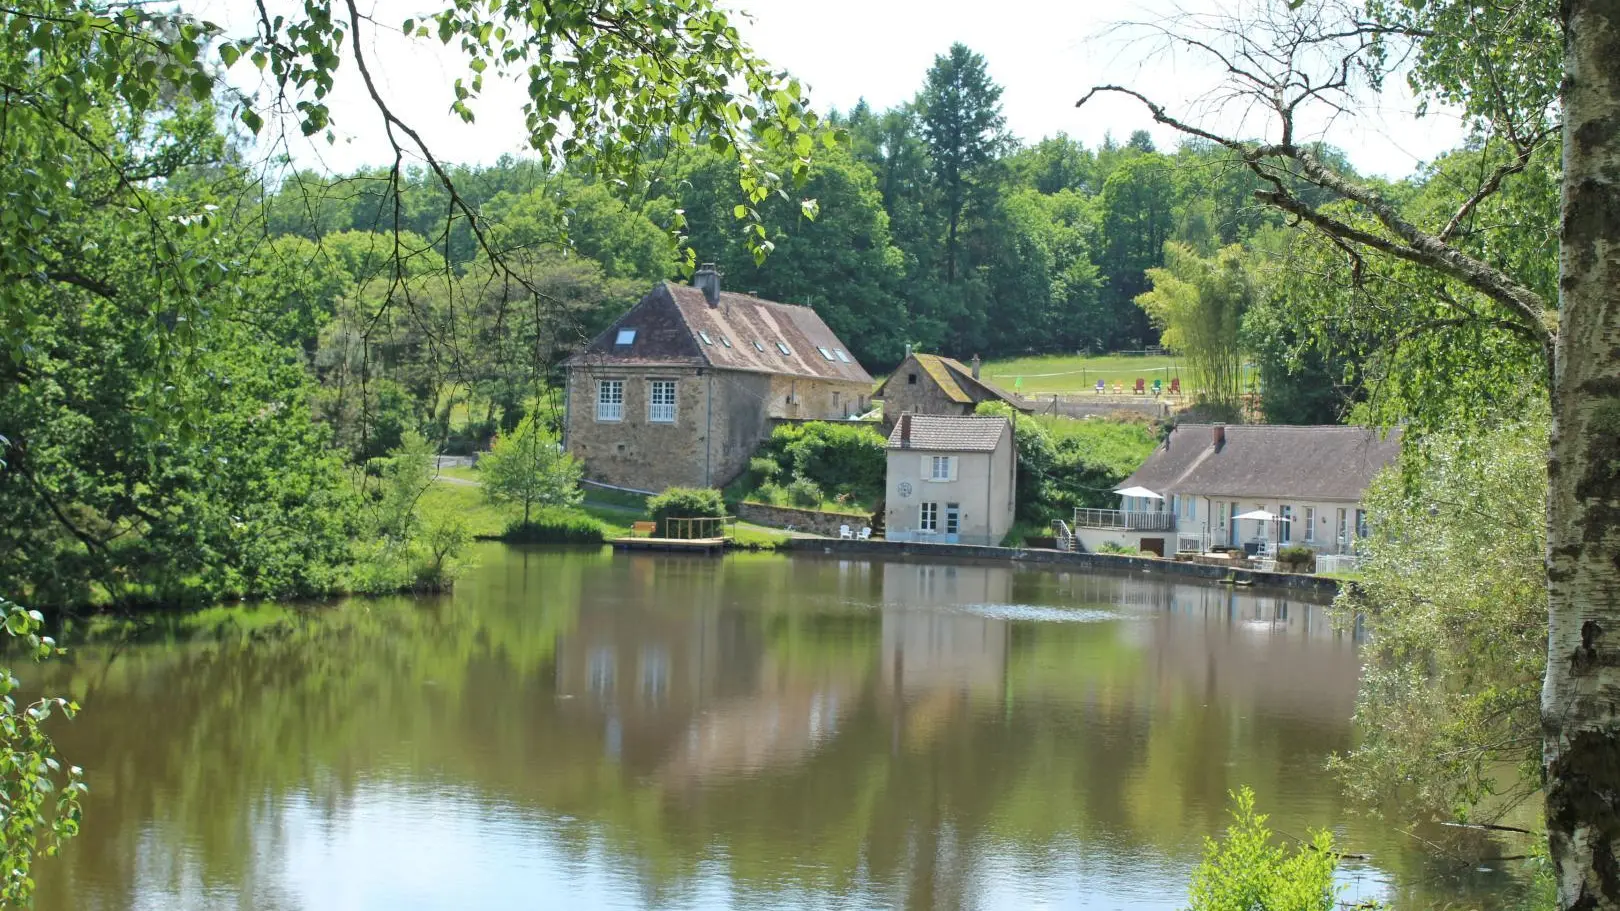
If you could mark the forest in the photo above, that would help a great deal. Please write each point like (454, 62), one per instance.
(223, 380)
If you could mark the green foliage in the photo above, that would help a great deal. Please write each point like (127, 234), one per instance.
(1453, 591)
(804, 492)
(40, 796)
(1114, 547)
(685, 503)
(1198, 305)
(1296, 559)
(845, 459)
(1064, 463)
(528, 468)
(404, 544)
(552, 525)
(1246, 871)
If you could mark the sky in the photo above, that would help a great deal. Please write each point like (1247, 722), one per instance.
(1045, 54)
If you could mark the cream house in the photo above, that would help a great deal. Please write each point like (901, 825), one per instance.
(1189, 493)
(950, 479)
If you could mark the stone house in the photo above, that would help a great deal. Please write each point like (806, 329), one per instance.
(1312, 478)
(933, 384)
(681, 389)
(951, 479)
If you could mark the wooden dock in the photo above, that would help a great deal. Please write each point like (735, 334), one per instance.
(687, 545)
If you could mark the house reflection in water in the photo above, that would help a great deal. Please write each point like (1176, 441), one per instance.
(696, 687)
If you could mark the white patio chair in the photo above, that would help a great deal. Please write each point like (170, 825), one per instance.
(844, 532)
(865, 535)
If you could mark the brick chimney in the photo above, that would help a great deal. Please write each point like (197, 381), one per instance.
(905, 430)
(707, 280)
(976, 364)
(1218, 436)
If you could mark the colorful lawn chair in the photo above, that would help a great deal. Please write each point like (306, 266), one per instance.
(1141, 386)
(1175, 386)
(1158, 387)
(1101, 386)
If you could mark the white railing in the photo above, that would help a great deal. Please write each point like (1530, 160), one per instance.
(1124, 520)
(1337, 563)
(1191, 544)
(1064, 536)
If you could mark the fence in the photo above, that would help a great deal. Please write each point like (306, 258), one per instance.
(1124, 520)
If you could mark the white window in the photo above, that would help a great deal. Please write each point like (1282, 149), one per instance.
(1285, 531)
(941, 468)
(625, 337)
(1310, 523)
(661, 401)
(928, 520)
(1362, 530)
(953, 518)
(1175, 505)
(782, 347)
(610, 400)
(1220, 515)
(824, 352)
(1192, 507)
(841, 355)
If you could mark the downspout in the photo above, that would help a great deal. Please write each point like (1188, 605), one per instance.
(708, 433)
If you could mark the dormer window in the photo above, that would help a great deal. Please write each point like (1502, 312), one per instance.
(625, 337)
(759, 345)
(782, 347)
(824, 352)
(705, 336)
(841, 355)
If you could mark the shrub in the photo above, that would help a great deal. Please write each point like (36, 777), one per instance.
(1297, 559)
(804, 492)
(764, 468)
(556, 526)
(684, 503)
(1114, 547)
(1244, 870)
(772, 493)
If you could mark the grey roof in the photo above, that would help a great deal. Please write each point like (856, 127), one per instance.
(675, 326)
(1269, 461)
(955, 379)
(949, 433)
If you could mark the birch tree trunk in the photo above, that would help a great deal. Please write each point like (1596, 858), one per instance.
(1581, 697)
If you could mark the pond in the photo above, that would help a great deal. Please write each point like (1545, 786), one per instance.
(579, 729)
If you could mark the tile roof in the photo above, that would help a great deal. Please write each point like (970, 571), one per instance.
(950, 433)
(675, 326)
(955, 379)
(1268, 460)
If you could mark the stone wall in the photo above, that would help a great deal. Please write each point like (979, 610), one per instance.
(802, 399)
(922, 397)
(1092, 405)
(958, 553)
(634, 452)
(810, 520)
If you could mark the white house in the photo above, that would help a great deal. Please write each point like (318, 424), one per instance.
(951, 479)
(1186, 495)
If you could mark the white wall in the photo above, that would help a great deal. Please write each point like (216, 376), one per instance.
(1324, 535)
(982, 489)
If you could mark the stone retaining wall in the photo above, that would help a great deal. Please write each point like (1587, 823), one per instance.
(958, 553)
(811, 520)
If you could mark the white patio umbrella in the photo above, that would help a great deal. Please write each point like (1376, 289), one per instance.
(1266, 515)
(1138, 492)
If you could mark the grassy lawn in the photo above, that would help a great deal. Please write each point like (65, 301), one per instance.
(1073, 373)
(467, 501)
(460, 474)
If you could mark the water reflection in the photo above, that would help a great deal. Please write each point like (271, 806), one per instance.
(578, 730)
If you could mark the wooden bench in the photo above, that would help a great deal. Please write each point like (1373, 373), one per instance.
(643, 528)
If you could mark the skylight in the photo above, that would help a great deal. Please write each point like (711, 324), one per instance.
(705, 336)
(841, 355)
(824, 352)
(759, 345)
(725, 341)
(626, 337)
(782, 347)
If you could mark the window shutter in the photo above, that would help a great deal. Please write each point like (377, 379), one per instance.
(927, 468)
(952, 463)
